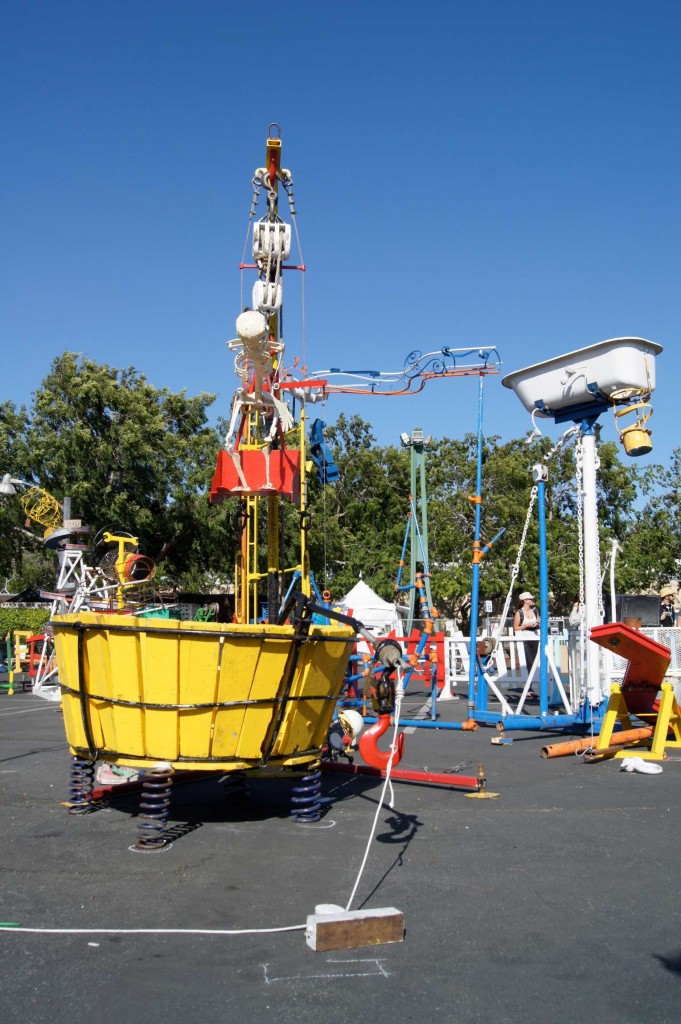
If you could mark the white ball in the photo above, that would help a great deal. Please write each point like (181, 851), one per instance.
(251, 326)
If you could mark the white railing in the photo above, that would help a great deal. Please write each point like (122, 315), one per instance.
(510, 669)
(508, 659)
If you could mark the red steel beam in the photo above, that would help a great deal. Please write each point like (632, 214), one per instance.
(406, 775)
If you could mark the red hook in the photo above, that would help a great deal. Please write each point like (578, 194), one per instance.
(367, 744)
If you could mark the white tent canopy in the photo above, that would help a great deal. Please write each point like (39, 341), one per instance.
(372, 611)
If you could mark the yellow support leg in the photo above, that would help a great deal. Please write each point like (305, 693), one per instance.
(616, 712)
(668, 717)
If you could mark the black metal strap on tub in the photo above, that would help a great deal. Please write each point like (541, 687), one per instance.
(218, 759)
(83, 696)
(206, 705)
(194, 633)
(298, 609)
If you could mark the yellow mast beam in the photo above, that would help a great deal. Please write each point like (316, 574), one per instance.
(247, 572)
(273, 164)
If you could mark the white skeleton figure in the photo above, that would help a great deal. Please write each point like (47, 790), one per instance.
(255, 353)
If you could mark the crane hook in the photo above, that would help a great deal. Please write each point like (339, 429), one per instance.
(368, 749)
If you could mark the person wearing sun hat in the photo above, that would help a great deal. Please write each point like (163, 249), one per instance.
(526, 621)
(667, 610)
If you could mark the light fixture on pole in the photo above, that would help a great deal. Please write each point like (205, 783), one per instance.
(9, 484)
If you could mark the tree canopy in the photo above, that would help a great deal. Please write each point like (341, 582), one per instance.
(130, 456)
(363, 517)
(137, 457)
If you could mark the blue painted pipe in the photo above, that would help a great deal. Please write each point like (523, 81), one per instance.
(543, 600)
(408, 723)
(477, 684)
(536, 722)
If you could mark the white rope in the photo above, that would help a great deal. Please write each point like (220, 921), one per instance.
(254, 203)
(399, 694)
(303, 339)
(150, 931)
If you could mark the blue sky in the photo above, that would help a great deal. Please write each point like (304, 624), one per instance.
(466, 174)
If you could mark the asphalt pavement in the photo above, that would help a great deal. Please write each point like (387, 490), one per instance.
(558, 899)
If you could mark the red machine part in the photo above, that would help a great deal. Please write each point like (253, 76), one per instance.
(284, 474)
(648, 660)
(648, 664)
(434, 652)
(407, 775)
(35, 652)
(370, 737)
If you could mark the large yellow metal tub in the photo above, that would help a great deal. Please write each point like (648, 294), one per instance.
(136, 691)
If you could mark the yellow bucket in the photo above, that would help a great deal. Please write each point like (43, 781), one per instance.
(201, 695)
(636, 437)
(636, 441)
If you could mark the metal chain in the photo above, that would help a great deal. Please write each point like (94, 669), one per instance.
(563, 439)
(580, 522)
(288, 186)
(515, 568)
(601, 575)
(601, 581)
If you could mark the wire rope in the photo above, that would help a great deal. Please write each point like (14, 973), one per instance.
(399, 694)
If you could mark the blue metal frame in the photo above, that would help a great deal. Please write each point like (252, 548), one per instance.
(588, 718)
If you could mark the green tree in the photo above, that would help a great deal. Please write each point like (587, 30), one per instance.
(135, 457)
(357, 524)
(21, 559)
(508, 485)
(140, 458)
(651, 549)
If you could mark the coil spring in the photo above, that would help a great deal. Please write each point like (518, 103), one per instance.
(306, 805)
(235, 785)
(154, 808)
(81, 781)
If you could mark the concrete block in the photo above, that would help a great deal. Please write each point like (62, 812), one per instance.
(348, 929)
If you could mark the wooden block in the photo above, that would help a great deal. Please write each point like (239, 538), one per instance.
(349, 929)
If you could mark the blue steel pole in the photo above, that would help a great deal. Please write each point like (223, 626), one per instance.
(411, 723)
(477, 696)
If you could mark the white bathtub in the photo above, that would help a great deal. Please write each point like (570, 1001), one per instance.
(619, 365)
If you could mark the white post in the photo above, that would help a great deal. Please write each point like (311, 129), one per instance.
(591, 564)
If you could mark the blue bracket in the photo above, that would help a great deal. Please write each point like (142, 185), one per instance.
(580, 411)
(327, 470)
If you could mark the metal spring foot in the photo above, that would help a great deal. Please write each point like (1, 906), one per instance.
(81, 783)
(305, 803)
(154, 808)
(235, 785)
